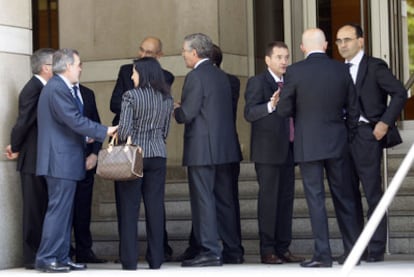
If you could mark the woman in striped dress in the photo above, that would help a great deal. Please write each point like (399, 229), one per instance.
(145, 116)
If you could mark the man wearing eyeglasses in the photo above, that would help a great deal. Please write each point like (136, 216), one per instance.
(149, 47)
(374, 82)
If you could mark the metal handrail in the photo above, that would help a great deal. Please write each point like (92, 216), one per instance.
(378, 214)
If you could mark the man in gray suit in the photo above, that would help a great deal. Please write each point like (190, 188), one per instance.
(320, 94)
(210, 147)
(61, 142)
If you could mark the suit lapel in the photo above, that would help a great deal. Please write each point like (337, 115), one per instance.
(271, 82)
(362, 70)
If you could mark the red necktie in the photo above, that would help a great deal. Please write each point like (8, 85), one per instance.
(291, 125)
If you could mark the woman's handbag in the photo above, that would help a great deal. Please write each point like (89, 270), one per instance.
(120, 162)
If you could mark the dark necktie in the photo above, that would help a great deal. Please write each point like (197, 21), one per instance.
(291, 124)
(77, 98)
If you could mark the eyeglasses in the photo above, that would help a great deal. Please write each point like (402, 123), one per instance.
(344, 40)
(148, 52)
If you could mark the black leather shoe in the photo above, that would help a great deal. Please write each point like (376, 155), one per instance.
(203, 260)
(89, 257)
(53, 268)
(189, 253)
(374, 259)
(233, 260)
(313, 263)
(75, 266)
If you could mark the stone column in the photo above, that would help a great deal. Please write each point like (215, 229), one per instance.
(15, 50)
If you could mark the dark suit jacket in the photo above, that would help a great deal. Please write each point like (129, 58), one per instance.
(123, 84)
(269, 132)
(317, 91)
(23, 138)
(373, 85)
(206, 109)
(91, 112)
(235, 93)
(62, 132)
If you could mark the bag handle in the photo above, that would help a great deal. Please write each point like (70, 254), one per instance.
(129, 140)
(114, 140)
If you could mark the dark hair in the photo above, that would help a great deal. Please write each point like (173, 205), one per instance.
(273, 44)
(358, 29)
(151, 74)
(216, 55)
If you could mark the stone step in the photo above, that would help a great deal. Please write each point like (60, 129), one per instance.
(104, 225)
(300, 246)
(180, 229)
(248, 189)
(180, 209)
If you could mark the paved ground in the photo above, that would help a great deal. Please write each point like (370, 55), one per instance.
(393, 266)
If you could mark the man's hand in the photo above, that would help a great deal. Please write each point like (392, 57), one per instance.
(380, 130)
(91, 161)
(112, 130)
(275, 98)
(177, 105)
(9, 153)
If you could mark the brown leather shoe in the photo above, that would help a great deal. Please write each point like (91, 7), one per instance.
(271, 259)
(288, 257)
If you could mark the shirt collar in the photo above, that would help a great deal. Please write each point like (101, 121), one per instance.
(67, 82)
(41, 79)
(200, 61)
(315, 51)
(275, 77)
(357, 59)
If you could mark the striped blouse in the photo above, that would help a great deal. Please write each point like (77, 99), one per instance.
(145, 116)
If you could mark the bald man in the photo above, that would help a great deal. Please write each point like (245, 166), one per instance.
(149, 47)
(317, 92)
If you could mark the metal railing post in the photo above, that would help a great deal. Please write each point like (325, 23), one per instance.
(379, 212)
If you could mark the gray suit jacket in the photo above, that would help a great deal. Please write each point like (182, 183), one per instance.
(62, 132)
(206, 109)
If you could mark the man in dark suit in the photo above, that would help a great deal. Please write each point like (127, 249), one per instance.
(374, 82)
(232, 245)
(61, 141)
(210, 147)
(23, 145)
(149, 47)
(272, 154)
(84, 188)
(318, 92)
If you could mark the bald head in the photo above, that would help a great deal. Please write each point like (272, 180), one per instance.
(313, 40)
(150, 47)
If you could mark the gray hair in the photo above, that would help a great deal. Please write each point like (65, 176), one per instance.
(41, 57)
(63, 57)
(201, 43)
